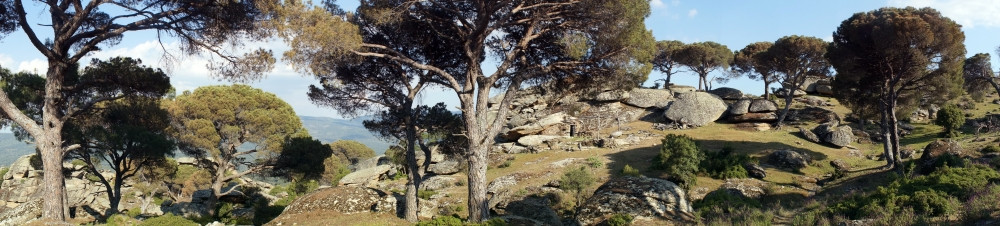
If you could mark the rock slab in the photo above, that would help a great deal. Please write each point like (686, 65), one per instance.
(636, 196)
(695, 109)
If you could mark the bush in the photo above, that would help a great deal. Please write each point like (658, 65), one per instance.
(425, 194)
(721, 198)
(990, 149)
(506, 164)
(442, 221)
(629, 171)
(121, 220)
(620, 219)
(593, 162)
(724, 164)
(981, 206)
(168, 219)
(679, 157)
(936, 194)
(576, 180)
(951, 118)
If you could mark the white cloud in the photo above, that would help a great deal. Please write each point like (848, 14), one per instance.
(692, 12)
(37, 66)
(6, 61)
(675, 2)
(657, 4)
(828, 38)
(968, 13)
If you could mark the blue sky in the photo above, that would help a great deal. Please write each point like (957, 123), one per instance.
(732, 23)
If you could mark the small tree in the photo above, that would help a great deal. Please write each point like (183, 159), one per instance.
(703, 58)
(795, 58)
(752, 62)
(350, 151)
(951, 118)
(979, 76)
(576, 180)
(679, 157)
(665, 60)
(214, 122)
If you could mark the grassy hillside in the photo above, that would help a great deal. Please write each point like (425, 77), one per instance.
(329, 130)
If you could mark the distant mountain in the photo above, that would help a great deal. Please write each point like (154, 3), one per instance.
(329, 130)
(324, 129)
(11, 149)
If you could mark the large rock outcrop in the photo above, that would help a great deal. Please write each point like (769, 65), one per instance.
(22, 186)
(645, 98)
(536, 127)
(636, 196)
(789, 159)
(934, 151)
(366, 177)
(695, 109)
(347, 199)
(727, 93)
(837, 135)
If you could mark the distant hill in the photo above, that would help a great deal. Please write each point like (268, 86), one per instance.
(329, 130)
(324, 129)
(11, 149)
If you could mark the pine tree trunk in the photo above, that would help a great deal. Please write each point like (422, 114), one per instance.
(784, 112)
(54, 187)
(767, 92)
(479, 209)
(413, 177)
(894, 127)
(887, 152)
(50, 143)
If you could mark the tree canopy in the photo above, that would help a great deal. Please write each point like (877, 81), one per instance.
(116, 119)
(213, 123)
(79, 28)
(666, 59)
(752, 62)
(897, 56)
(793, 59)
(979, 76)
(532, 42)
(703, 58)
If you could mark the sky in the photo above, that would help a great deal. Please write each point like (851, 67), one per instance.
(734, 23)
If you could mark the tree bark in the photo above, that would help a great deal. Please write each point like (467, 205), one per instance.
(767, 92)
(784, 112)
(894, 127)
(50, 146)
(477, 184)
(887, 139)
(411, 164)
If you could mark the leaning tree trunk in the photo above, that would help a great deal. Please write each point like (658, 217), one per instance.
(784, 112)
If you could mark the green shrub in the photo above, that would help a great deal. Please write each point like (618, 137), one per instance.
(442, 221)
(121, 220)
(932, 195)
(990, 149)
(593, 162)
(494, 222)
(576, 180)
(951, 118)
(679, 157)
(425, 194)
(620, 219)
(629, 171)
(721, 198)
(506, 164)
(134, 212)
(981, 206)
(168, 219)
(724, 164)
(3, 171)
